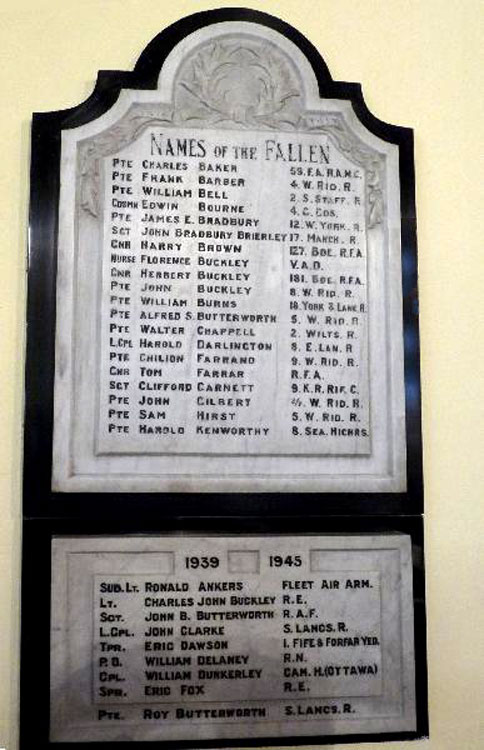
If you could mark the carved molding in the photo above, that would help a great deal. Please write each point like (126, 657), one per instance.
(234, 84)
(373, 163)
(126, 130)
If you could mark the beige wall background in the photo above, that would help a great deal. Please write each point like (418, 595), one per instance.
(419, 62)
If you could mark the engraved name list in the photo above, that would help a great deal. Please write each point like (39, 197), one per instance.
(234, 296)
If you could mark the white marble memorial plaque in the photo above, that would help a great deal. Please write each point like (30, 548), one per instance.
(229, 311)
(191, 638)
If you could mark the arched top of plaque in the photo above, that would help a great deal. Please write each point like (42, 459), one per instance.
(235, 69)
(229, 130)
(284, 51)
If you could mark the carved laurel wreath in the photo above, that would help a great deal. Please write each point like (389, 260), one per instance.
(220, 72)
(232, 85)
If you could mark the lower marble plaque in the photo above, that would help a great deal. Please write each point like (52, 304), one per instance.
(194, 638)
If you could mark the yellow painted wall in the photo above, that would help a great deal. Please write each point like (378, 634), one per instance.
(419, 62)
